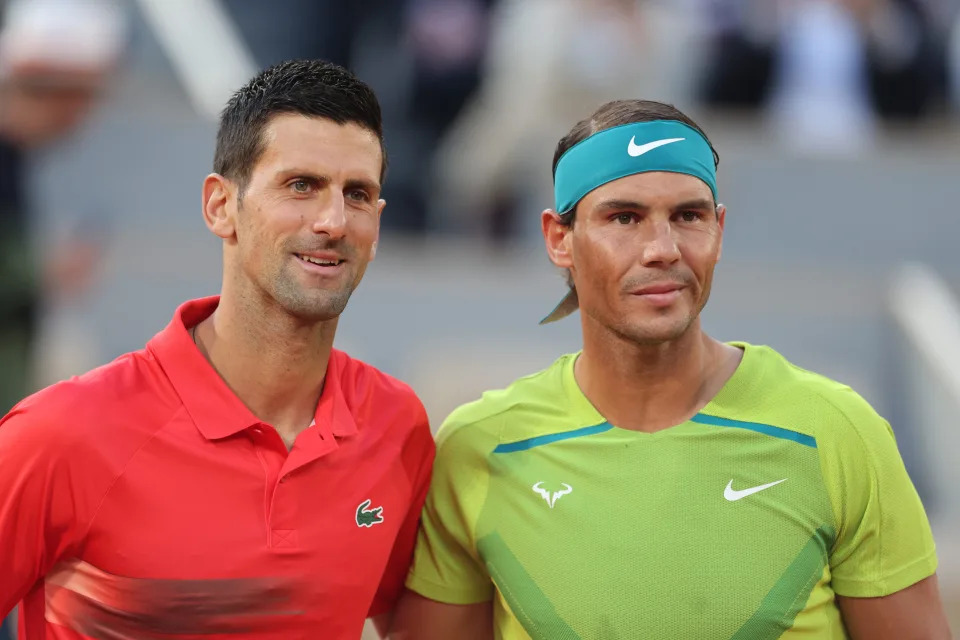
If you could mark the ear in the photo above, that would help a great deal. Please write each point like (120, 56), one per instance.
(381, 204)
(556, 236)
(721, 220)
(219, 205)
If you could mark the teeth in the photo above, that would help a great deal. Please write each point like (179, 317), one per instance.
(325, 263)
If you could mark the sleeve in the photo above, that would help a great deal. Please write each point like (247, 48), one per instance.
(446, 565)
(418, 459)
(884, 542)
(37, 520)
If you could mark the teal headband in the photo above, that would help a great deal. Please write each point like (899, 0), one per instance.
(638, 147)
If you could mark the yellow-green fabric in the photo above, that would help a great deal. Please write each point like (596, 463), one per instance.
(578, 529)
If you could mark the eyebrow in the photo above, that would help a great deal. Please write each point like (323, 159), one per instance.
(699, 203)
(614, 205)
(353, 183)
(361, 183)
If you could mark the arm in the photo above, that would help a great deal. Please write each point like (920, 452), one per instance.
(883, 562)
(36, 507)
(419, 618)
(449, 592)
(914, 612)
(381, 623)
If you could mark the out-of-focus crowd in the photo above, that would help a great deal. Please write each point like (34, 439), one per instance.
(475, 94)
(477, 91)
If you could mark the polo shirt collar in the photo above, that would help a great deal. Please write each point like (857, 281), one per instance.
(215, 409)
(332, 409)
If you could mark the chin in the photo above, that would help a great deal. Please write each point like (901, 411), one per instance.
(328, 305)
(653, 332)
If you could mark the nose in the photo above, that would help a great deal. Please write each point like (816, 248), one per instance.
(331, 218)
(660, 245)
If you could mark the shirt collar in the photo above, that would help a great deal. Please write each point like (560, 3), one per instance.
(215, 409)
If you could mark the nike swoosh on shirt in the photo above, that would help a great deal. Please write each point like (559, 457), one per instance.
(733, 495)
(635, 149)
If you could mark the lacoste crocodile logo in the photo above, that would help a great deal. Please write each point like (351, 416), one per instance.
(368, 517)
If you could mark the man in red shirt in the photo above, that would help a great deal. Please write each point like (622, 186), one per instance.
(238, 477)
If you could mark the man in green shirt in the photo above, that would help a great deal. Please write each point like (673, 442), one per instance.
(661, 484)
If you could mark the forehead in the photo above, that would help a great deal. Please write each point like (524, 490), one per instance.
(320, 145)
(653, 188)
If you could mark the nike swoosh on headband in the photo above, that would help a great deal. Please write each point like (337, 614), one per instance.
(635, 149)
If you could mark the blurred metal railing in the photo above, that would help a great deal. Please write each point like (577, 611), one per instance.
(208, 55)
(928, 313)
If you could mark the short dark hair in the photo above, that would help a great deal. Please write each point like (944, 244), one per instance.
(616, 113)
(313, 88)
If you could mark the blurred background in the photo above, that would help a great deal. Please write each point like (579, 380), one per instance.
(837, 124)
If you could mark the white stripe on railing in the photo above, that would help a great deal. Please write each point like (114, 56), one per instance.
(208, 55)
(929, 314)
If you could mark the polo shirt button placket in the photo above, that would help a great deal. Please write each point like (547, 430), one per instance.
(283, 525)
(283, 513)
(281, 507)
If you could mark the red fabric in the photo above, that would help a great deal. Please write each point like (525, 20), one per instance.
(144, 500)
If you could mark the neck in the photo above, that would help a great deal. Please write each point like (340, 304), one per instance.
(649, 387)
(274, 363)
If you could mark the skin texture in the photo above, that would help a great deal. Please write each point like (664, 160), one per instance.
(419, 618)
(641, 230)
(914, 613)
(646, 363)
(642, 253)
(314, 190)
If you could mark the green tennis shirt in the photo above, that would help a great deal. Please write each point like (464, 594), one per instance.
(743, 522)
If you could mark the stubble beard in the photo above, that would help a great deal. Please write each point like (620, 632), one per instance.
(642, 334)
(317, 303)
(311, 305)
(649, 332)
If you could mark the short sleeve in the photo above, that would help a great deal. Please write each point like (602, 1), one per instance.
(446, 565)
(884, 542)
(38, 523)
(418, 455)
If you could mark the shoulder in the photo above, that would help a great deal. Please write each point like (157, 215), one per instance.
(364, 384)
(362, 381)
(72, 440)
(830, 411)
(128, 398)
(510, 413)
(375, 398)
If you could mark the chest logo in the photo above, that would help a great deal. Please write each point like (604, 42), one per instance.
(367, 517)
(733, 495)
(552, 497)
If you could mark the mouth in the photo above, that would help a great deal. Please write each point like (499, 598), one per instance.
(659, 295)
(323, 263)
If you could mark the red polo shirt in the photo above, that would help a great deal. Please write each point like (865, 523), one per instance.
(144, 500)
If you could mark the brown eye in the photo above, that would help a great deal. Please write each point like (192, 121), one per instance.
(625, 218)
(690, 216)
